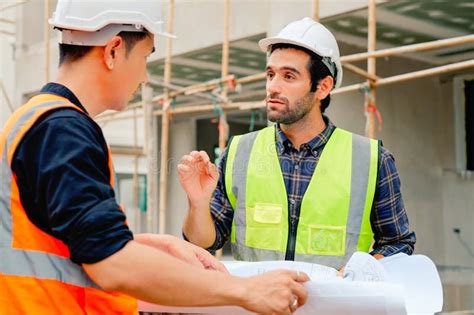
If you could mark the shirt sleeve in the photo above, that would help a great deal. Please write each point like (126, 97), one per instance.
(221, 209)
(64, 178)
(388, 217)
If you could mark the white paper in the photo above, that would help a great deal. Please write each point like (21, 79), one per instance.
(364, 267)
(420, 280)
(314, 271)
(395, 285)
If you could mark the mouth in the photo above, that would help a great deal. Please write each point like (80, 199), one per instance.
(274, 102)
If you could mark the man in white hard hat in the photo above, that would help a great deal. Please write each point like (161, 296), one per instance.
(302, 189)
(65, 247)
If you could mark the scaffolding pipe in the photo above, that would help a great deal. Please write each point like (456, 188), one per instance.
(151, 153)
(178, 87)
(197, 88)
(316, 10)
(3, 20)
(136, 184)
(7, 33)
(442, 43)
(371, 63)
(355, 87)
(410, 76)
(208, 108)
(165, 128)
(223, 125)
(360, 71)
(354, 57)
(437, 44)
(349, 88)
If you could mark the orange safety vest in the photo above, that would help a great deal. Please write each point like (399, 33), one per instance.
(36, 274)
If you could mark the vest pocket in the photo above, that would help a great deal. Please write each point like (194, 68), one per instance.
(264, 226)
(267, 213)
(327, 240)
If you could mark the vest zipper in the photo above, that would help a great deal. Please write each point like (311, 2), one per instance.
(291, 244)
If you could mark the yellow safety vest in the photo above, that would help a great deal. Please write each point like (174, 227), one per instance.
(335, 211)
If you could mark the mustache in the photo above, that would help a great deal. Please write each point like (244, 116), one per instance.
(275, 96)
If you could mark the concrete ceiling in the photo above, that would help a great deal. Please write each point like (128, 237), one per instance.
(406, 22)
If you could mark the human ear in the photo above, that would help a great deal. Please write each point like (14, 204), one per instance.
(325, 86)
(111, 50)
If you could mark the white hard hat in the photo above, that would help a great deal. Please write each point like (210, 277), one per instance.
(93, 23)
(313, 36)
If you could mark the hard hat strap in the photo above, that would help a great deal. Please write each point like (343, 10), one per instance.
(330, 65)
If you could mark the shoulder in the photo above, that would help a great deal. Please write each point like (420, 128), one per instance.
(248, 138)
(385, 155)
(63, 131)
(67, 123)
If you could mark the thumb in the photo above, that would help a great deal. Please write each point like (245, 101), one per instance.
(212, 169)
(184, 171)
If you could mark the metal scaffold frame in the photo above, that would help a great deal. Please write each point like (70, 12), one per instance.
(149, 102)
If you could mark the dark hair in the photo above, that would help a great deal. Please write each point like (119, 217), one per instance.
(70, 53)
(317, 69)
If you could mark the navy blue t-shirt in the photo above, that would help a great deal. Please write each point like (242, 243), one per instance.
(63, 176)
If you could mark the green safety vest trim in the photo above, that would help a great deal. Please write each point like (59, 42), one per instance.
(330, 229)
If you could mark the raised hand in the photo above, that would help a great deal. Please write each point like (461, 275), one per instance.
(198, 177)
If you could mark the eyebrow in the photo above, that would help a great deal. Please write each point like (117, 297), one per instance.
(287, 68)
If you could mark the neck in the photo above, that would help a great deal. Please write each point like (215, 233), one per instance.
(305, 129)
(85, 84)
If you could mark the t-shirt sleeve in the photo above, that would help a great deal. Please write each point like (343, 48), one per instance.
(62, 165)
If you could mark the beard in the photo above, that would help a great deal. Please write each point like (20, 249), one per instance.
(290, 113)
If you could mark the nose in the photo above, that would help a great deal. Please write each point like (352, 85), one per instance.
(273, 85)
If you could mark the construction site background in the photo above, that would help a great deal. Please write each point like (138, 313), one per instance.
(426, 119)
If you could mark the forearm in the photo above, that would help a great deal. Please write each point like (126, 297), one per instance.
(199, 226)
(159, 241)
(154, 276)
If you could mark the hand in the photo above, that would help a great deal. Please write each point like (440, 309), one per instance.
(198, 177)
(340, 273)
(182, 250)
(276, 292)
(378, 256)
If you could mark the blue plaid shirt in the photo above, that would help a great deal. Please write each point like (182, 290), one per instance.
(388, 217)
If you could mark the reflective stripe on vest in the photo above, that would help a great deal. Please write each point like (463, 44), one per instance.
(329, 229)
(31, 260)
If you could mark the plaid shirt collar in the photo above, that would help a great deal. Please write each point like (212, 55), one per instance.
(284, 144)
